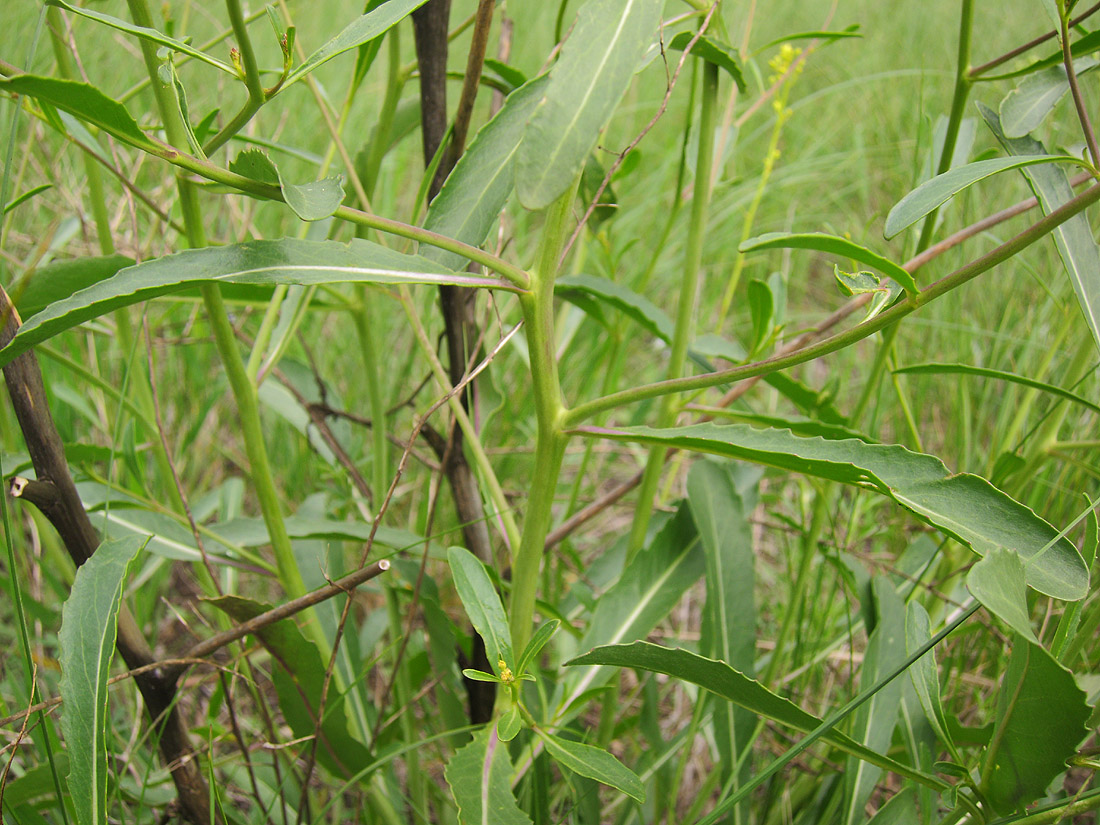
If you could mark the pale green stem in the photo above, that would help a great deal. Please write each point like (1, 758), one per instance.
(685, 316)
(256, 95)
(538, 316)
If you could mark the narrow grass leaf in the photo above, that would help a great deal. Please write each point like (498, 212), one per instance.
(942, 188)
(468, 206)
(145, 33)
(595, 763)
(480, 778)
(84, 101)
(89, 625)
(925, 677)
(1041, 716)
(287, 261)
(593, 72)
(1074, 240)
(582, 289)
(299, 681)
(713, 51)
(26, 196)
(362, 30)
(998, 582)
(1001, 375)
(723, 680)
(964, 506)
(1025, 108)
(483, 606)
(833, 245)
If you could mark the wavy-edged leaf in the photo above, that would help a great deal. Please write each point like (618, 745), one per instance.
(713, 51)
(580, 289)
(1041, 716)
(1025, 107)
(480, 777)
(834, 245)
(596, 65)
(89, 625)
(964, 506)
(145, 33)
(469, 204)
(362, 30)
(483, 606)
(85, 102)
(926, 680)
(1073, 238)
(998, 581)
(1001, 375)
(797, 424)
(942, 188)
(723, 680)
(311, 201)
(595, 763)
(299, 680)
(287, 261)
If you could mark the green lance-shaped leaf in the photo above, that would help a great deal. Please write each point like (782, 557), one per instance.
(926, 680)
(588, 291)
(84, 101)
(483, 605)
(89, 624)
(713, 51)
(62, 278)
(998, 582)
(299, 681)
(311, 201)
(468, 206)
(596, 65)
(1025, 108)
(834, 246)
(362, 30)
(983, 372)
(1041, 715)
(966, 507)
(720, 678)
(480, 777)
(595, 763)
(287, 261)
(942, 188)
(1073, 239)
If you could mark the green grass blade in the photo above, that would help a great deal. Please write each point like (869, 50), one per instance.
(596, 65)
(89, 624)
(925, 677)
(595, 763)
(964, 506)
(982, 372)
(834, 246)
(942, 188)
(483, 605)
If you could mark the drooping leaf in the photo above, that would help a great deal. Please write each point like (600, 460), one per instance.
(287, 261)
(84, 101)
(964, 506)
(849, 31)
(469, 204)
(483, 606)
(595, 763)
(1073, 238)
(580, 289)
(362, 30)
(834, 246)
(942, 188)
(713, 51)
(299, 680)
(596, 65)
(1025, 107)
(998, 582)
(89, 625)
(311, 201)
(983, 372)
(720, 678)
(1041, 715)
(480, 778)
(926, 680)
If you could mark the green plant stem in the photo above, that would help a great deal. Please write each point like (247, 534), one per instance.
(685, 314)
(256, 94)
(538, 316)
(843, 339)
(958, 109)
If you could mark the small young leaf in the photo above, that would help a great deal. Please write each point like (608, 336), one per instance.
(482, 604)
(762, 311)
(89, 625)
(541, 636)
(509, 724)
(713, 51)
(480, 675)
(595, 763)
(480, 778)
(310, 201)
(998, 582)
